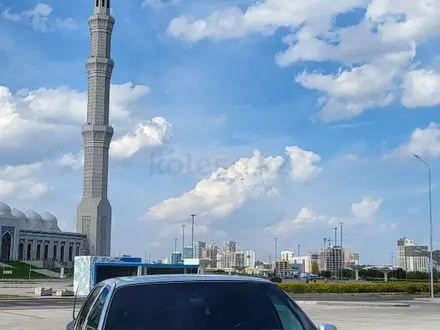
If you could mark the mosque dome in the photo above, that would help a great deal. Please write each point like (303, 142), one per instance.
(5, 210)
(50, 221)
(34, 220)
(21, 217)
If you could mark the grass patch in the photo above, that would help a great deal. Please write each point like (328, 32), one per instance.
(20, 270)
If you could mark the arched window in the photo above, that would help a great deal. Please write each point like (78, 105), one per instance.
(70, 253)
(77, 251)
(54, 252)
(6, 247)
(38, 252)
(29, 252)
(21, 251)
(62, 253)
(108, 4)
(46, 252)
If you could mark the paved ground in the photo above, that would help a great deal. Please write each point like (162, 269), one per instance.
(420, 316)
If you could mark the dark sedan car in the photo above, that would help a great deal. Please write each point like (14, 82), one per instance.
(190, 302)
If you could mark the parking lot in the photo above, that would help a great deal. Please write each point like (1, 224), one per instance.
(416, 317)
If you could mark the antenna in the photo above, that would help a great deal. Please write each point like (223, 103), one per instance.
(74, 303)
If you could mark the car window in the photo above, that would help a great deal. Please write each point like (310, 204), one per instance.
(82, 315)
(96, 310)
(210, 305)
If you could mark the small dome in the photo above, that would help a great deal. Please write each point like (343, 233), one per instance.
(34, 220)
(50, 221)
(21, 217)
(4, 209)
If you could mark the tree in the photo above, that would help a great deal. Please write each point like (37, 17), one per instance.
(315, 268)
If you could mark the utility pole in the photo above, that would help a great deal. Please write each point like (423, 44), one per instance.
(431, 247)
(192, 235)
(275, 257)
(342, 253)
(183, 241)
(175, 245)
(298, 249)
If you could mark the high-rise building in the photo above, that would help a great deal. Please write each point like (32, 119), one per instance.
(94, 213)
(412, 257)
(249, 258)
(332, 259)
(176, 257)
(230, 246)
(199, 249)
(188, 252)
(286, 256)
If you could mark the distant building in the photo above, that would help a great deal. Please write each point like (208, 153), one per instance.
(199, 248)
(332, 259)
(351, 258)
(176, 257)
(412, 257)
(286, 256)
(188, 252)
(250, 258)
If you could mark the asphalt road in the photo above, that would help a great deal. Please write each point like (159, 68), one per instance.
(39, 303)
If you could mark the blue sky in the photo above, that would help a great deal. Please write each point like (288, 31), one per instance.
(353, 90)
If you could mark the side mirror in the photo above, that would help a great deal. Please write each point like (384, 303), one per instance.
(327, 327)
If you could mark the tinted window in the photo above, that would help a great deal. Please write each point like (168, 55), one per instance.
(204, 306)
(86, 307)
(96, 310)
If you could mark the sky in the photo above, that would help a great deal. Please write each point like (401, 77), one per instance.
(267, 119)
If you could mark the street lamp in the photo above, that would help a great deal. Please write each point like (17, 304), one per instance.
(192, 234)
(431, 263)
(183, 241)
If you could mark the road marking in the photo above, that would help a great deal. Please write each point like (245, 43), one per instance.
(19, 314)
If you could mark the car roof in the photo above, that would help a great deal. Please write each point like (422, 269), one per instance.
(160, 279)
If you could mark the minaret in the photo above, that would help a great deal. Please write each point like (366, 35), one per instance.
(94, 217)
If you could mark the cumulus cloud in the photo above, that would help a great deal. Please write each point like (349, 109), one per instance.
(149, 134)
(371, 71)
(21, 181)
(40, 18)
(304, 219)
(366, 208)
(56, 113)
(228, 189)
(303, 162)
(424, 142)
(420, 88)
(225, 190)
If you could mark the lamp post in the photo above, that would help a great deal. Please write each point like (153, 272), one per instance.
(431, 263)
(275, 257)
(183, 241)
(192, 234)
(342, 253)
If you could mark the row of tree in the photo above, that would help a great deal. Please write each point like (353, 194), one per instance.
(371, 274)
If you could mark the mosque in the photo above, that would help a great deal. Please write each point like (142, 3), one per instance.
(29, 236)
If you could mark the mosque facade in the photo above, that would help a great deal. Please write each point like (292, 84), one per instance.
(30, 236)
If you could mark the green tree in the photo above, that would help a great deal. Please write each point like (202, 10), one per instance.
(315, 268)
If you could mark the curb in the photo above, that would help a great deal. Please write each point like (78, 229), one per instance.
(348, 304)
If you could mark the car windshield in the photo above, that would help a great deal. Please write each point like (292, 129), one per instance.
(204, 306)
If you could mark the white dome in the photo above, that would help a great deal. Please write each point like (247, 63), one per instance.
(4, 209)
(34, 220)
(50, 221)
(21, 217)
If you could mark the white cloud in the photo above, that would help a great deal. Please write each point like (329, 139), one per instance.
(304, 219)
(51, 110)
(366, 208)
(373, 69)
(225, 190)
(303, 162)
(39, 18)
(22, 182)
(147, 135)
(74, 161)
(421, 89)
(424, 142)
(150, 134)
(156, 4)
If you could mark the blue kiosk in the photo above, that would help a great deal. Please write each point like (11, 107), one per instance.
(90, 270)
